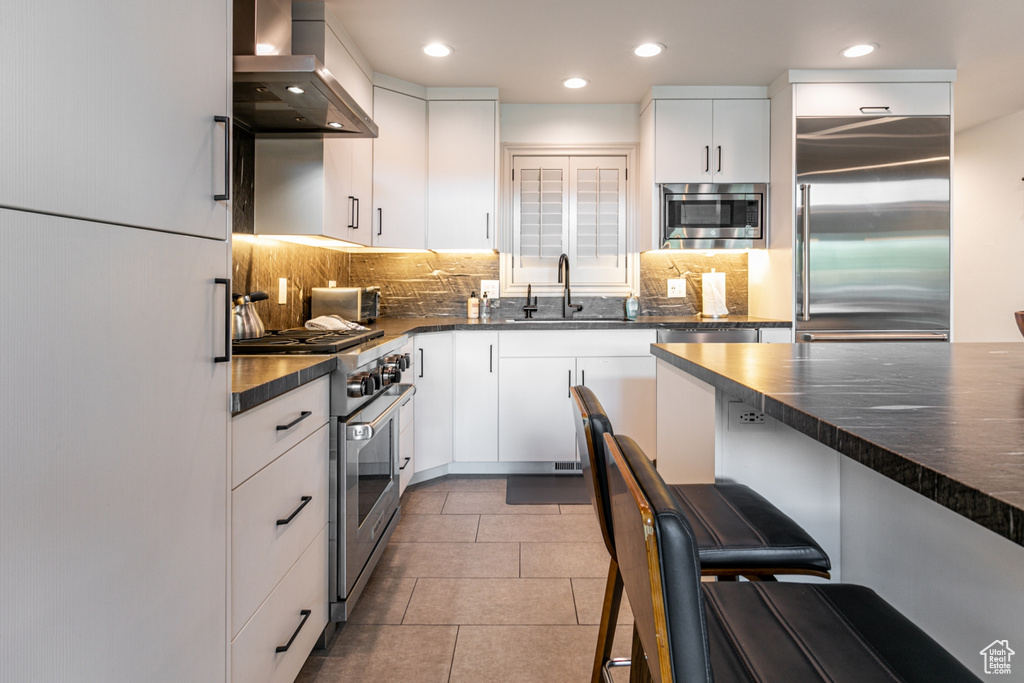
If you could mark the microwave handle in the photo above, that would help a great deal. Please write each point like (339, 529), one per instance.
(805, 252)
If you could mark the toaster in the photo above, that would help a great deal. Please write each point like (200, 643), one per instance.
(358, 304)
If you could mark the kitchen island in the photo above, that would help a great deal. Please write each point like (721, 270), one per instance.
(906, 461)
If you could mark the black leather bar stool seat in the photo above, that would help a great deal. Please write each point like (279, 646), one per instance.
(758, 631)
(739, 533)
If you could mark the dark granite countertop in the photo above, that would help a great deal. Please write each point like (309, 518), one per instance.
(257, 379)
(447, 324)
(945, 420)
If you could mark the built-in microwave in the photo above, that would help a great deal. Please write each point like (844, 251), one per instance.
(707, 216)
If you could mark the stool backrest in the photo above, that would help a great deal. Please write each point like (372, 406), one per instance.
(591, 425)
(657, 555)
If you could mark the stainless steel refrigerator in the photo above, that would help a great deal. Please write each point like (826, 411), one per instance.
(872, 259)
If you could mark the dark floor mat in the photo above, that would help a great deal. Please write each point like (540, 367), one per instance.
(546, 489)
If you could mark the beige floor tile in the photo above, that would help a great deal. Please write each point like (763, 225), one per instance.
(423, 502)
(491, 601)
(576, 509)
(490, 503)
(589, 597)
(436, 529)
(383, 601)
(564, 560)
(539, 654)
(462, 483)
(538, 529)
(386, 654)
(449, 560)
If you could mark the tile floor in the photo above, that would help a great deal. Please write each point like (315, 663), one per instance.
(473, 590)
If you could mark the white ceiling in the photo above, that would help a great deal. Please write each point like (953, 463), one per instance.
(527, 47)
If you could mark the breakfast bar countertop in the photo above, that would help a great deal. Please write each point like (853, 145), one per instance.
(945, 420)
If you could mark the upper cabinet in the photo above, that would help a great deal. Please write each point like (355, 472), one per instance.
(873, 99)
(462, 174)
(77, 153)
(711, 141)
(399, 170)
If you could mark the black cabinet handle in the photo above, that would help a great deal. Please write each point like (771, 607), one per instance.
(380, 222)
(404, 464)
(227, 319)
(583, 377)
(226, 120)
(305, 615)
(302, 416)
(707, 158)
(568, 391)
(421, 362)
(356, 214)
(351, 212)
(490, 356)
(305, 501)
(488, 225)
(719, 159)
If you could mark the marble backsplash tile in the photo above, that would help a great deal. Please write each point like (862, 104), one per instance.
(415, 284)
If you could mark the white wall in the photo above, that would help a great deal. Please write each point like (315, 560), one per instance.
(988, 230)
(570, 124)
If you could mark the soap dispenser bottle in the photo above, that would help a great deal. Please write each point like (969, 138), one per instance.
(473, 307)
(632, 306)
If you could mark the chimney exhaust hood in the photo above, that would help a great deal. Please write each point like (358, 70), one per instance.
(278, 94)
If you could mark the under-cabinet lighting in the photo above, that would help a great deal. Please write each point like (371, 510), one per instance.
(295, 89)
(463, 251)
(859, 50)
(649, 50)
(437, 50)
(335, 124)
(312, 241)
(574, 82)
(266, 49)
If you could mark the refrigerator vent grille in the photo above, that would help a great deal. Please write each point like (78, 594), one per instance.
(574, 466)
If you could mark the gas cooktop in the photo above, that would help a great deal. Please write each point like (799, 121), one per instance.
(303, 341)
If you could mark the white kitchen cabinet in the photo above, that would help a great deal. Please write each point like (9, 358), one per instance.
(407, 426)
(114, 435)
(711, 141)
(536, 370)
(117, 123)
(461, 174)
(873, 99)
(476, 397)
(399, 170)
(433, 375)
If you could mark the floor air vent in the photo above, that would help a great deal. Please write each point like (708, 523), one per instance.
(568, 467)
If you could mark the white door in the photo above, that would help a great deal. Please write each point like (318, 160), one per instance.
(399, 171)
(114, 433)
(433, 376)
(476, 396)
(461, 177)
(626, 388)
(741, 146)
(535, 410)
(115, 120)
(682, 138)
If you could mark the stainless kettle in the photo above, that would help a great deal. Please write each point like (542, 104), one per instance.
(245, 321)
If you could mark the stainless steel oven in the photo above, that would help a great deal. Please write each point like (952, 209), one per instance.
(366, 399)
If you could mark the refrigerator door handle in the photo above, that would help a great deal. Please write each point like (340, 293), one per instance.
(875, 336)
(805, 270)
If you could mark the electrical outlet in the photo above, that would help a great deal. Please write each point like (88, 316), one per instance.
(490, 287)
(747, 419)
(332, 283)
(752, 417)
(677, 288)
(282, 290)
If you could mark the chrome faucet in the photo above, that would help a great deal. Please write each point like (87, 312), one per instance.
(563, 267)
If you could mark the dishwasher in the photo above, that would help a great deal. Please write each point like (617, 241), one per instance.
(705, 336)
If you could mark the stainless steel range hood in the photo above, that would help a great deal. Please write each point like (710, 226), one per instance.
(278, 94)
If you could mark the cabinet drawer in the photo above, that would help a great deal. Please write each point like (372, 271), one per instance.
(253, 651)
(262, 550)
(260, 435)
(537, 344)
(846, 99)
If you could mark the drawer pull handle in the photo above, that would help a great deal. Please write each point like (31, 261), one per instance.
(305, 615)
(404, 464)
(305, 501)
(302, 416)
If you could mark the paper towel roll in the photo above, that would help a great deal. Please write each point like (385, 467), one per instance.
(713, 285)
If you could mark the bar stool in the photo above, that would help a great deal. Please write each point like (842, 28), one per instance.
(757, 631)
(739, 533)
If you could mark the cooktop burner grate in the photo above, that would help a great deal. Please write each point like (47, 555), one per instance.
(304, 341)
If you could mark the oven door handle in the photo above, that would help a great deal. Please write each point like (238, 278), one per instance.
(364, 431)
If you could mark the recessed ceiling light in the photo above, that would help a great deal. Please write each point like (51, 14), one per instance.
(859, 50)
(437, 50)
(648, 49)
(295, 89)
(574, 82)
(334, 124)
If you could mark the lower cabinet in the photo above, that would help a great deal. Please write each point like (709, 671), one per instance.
(407, 428)
(432, 375)
(279, 515)
(476, 397)
(535, 408)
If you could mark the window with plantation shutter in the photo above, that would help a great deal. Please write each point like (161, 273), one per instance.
(573, 205)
